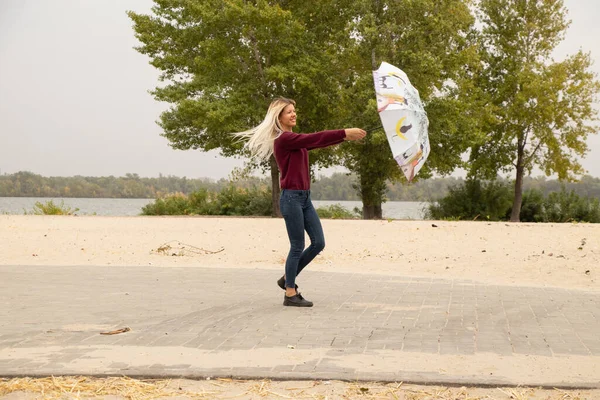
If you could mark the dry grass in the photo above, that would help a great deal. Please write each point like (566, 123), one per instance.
(84, 387)
(126, 388)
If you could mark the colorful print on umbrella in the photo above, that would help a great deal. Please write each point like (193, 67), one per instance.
(403, 117)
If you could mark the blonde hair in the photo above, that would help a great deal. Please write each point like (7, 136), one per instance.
(261, 138)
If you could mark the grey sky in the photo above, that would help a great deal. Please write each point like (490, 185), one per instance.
(74, 94)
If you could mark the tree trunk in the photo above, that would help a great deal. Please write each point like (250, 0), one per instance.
(372, 211)
(515, 215)
(371, 198)
(275, 190)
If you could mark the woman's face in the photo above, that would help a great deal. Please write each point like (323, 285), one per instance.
(287, 118)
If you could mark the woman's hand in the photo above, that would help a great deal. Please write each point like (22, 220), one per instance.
(355, 134)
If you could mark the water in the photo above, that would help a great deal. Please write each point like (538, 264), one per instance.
(390, 209)
(108, 207)
(131, 207)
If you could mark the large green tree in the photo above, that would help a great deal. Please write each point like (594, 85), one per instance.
(432, 41)
(543, 110)
(223, 61)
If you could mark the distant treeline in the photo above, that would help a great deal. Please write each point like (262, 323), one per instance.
(338, 186)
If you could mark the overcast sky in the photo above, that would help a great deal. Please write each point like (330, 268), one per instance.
(74, 93)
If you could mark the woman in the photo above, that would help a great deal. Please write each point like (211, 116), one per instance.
(274, 136)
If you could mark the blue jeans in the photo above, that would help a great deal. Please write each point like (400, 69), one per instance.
(300, 215)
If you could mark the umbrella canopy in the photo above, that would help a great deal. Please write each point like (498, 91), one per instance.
(403, 117)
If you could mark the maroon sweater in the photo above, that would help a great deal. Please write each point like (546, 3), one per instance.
(291, 153)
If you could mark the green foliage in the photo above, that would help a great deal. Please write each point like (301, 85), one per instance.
(566, 206)
(319, 53)
(27, 184)
(474, 200)
(342, 186)
(49, 208)
(222, 63)
(337, 211)
(561, 206)
(492, 201)
(338, 186)
(496, 92)
(532, 208)
(431, 42)
(236, 201)
(231, 200)
(542, 110)
(174, 204)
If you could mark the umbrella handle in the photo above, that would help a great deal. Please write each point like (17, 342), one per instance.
(373, 128)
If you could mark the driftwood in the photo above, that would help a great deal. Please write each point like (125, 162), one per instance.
(177, 248)
(116, 332)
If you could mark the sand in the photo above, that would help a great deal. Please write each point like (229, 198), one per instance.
(549, 255)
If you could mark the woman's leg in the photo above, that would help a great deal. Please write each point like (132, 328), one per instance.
(293, 215)
(313, 227)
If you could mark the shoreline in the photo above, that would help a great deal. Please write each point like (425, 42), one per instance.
(133, 207)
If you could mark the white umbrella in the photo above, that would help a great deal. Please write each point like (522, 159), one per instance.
(403, 117)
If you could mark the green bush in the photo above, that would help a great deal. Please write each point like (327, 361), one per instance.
(566, 206)
(336, 211)
(493, 201)
(230, 200)
(49, 208)
(174, 204)
(239, 201)
(260, 203)
(532, 207)
(200, 202)
(473, 200)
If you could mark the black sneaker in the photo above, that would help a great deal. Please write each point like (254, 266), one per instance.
(296, 301)
(281, 283)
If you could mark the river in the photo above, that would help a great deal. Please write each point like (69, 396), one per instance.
(131, 207)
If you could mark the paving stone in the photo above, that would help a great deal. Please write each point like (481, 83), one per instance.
(210, 311)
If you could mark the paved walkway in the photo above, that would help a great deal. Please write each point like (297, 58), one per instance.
(201, 322)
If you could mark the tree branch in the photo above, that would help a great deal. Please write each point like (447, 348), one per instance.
(257, 56)
(528, 160)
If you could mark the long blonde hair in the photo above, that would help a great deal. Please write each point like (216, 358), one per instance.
(261, 138)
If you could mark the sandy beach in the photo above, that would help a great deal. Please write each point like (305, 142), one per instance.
(548, 255)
